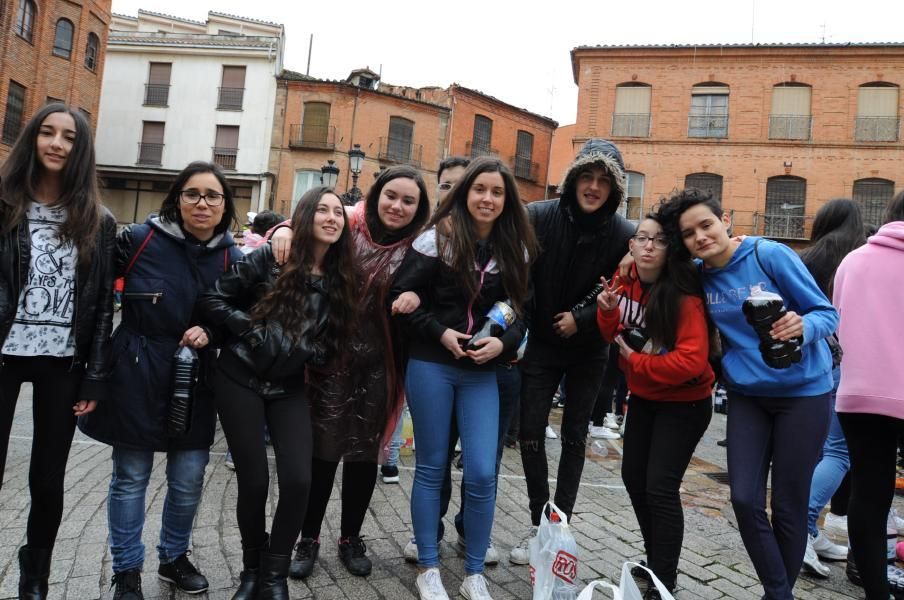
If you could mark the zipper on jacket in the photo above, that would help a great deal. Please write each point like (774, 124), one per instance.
(152, 296)
(483, 273)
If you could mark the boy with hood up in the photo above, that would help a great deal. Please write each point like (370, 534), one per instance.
(582, 239)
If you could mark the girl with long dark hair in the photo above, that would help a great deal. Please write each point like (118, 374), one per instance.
(657, 318)
(476, 251)
(278, 320)
(166, 262)
(56, 309)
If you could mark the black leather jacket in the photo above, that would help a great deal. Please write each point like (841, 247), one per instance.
(93, 300)
(272, 357)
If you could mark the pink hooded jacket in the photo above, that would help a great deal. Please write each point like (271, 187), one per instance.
(869, 295)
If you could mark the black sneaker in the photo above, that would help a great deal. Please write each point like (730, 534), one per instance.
(353, 554)
(183, 575)
(128, 585)
(852, 573)
(723, 443)
(306, 552)
(390, 473)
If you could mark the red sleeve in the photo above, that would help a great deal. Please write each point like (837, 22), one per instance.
(608, 322)
(689, 358)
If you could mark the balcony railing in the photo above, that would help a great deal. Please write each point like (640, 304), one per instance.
(707, 126)
(150, 154)
(474, 150)
(525, 169)
(225, 157)
(230, 98)
(400, 151)
(631, 124)
(322, 137)
(876, 129)
(790, 127)
(781, 226)
(156, 94)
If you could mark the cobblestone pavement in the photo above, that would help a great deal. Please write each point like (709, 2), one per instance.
(713, 563)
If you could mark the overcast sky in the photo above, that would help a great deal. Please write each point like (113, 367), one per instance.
(519, 51)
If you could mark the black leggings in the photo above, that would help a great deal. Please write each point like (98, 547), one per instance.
(55, 384)
(243, 414)
(358, 482)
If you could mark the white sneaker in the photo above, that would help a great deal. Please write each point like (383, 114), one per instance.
(827, 550)
(899, 522)
(520, 554)
(550, 434)
(835, 526)
(603, 433)
(621, 426)
(474, 587)
(410, 551)
(491, 558)
(811, 561)
(430, 585)
(610, 421)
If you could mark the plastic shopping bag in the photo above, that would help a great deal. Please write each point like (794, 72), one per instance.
(628, 589)
(553, 558)
(587, 592)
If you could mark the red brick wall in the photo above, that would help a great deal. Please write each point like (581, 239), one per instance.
(34, 66)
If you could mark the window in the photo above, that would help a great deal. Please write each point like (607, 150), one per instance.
(790, 118)
(226, 147)
(316, 124)
(91, 51)
(304, 180)
(150, 148)
(709, 182)
(709, 111)
(873, 196)
(156, 91)
(632, 110)
(786, 201)
(15, 107)
(483, 136)
(25, 19)
(877, 113)
(62, 39)
(232, 89)
(398, 145)
(524, 153)
(632, 207)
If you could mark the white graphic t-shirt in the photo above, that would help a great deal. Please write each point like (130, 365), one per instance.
(45, 312)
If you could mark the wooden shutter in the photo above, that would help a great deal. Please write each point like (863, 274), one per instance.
(152, 132)
(233, 77)
(159, 73)
(227, 136)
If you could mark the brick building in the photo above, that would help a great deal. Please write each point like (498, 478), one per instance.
(318, 121)
(774, 130)
(49, 50)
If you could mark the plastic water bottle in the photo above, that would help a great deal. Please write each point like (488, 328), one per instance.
(598, 448)
(891, 537)
(185, 374)
(493, 324)
(762, 309)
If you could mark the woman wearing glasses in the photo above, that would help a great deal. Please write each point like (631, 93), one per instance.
(656, 316)
(166, 263)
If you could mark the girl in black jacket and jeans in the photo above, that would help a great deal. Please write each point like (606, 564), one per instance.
(56, 309)
(278, 320)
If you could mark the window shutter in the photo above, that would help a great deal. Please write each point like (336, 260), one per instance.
(152, 132)
(876, 101)
(632, 100)
(159, 73)
(227, 136)
(233, 77)
(791, 101)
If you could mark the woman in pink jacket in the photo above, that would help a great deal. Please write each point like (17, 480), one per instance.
(869, 294)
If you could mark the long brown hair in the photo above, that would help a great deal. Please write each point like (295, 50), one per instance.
(21, 174)
(512, 238)
(285, 302)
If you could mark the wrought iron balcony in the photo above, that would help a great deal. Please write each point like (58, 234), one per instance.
(319, 137)
(790, 127)
(781, 225)
(225, 157)
(707, 126)
(400, 151)
(474, 150)
(230, 98)
(631, 125)
(525, 169)
(156, 94)
(150, 154)
(876, 129)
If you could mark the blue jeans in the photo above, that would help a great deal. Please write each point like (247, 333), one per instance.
(436, 392)
(832, 467)
(126, 504)
(392, 458)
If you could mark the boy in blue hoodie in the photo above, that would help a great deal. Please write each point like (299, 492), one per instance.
(777, 418)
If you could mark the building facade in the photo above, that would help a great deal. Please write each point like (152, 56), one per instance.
(49, 51)
(773, 130)
(177, 91)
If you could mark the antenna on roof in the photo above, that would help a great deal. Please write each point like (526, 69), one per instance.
(310, 47)
(752, 20)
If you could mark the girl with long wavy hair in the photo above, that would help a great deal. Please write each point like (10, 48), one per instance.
(476, 251)
(278, 320)
(56, 294)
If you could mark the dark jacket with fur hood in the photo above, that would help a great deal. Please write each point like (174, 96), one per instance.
(576, 249)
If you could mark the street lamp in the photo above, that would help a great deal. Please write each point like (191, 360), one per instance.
(355, 164)
(329, 174)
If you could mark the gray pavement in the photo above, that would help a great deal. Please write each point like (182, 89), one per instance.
(713, 563)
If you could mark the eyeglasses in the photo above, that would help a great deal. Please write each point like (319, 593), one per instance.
(445, 186)
(194, 196)
(660, 243)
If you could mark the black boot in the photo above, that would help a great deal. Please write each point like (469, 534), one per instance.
(251, 561)
(272, 583)
(34, 570)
